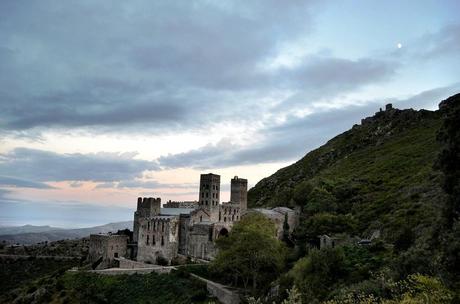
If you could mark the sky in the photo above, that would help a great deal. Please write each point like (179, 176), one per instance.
(105, 101)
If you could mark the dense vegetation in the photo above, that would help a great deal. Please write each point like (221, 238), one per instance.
(70, 248)
(82, 287)
(396, 175)
(15, 273)
(251, 253)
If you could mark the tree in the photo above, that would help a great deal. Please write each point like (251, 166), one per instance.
(251, 252)
(324, 223)
(316, 274)
(449, 163)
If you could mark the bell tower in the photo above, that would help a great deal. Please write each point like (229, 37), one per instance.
(239, 192)
(210, 194)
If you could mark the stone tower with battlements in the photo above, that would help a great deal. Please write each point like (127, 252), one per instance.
(210, 194)
(239, 192)
(147, 207)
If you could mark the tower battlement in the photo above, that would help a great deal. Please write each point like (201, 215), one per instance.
(148, 206)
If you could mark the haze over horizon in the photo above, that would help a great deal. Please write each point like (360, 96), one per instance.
(102, 102)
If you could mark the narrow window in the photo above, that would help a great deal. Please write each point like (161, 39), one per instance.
(162, 241)
(148, 225)
(147, 239)
(201, 218)
(225, 218)
(220, 216)
(163, 227)
(153, 239)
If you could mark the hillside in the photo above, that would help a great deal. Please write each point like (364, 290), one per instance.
(381, 172)
(51, 235)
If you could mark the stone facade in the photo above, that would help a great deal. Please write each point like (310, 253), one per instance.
(158, 238)
(279, 215)
(104, 249)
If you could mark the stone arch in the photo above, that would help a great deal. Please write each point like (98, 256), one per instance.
(223, 232)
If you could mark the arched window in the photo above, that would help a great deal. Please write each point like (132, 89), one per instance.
(201, 218)
(162, 241)
(153, 239)
(147, 240)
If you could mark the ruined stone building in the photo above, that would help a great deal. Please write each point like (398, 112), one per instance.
(162, 234)
(105, 248)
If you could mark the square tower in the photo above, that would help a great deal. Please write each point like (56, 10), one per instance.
(147, 208)
(210, 193)
(239, 192)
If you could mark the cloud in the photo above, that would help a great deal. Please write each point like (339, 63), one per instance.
(144, 184)
(45, 166)
(444, 42)
(165, 67)
(292, 139)
(325, 77)
(20, 183)
(151, 64)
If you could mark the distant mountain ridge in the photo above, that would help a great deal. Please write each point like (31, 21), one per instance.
(26, 229)
(28, 234)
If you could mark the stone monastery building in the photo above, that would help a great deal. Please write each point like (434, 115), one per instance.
(191, 232)
(162, 234)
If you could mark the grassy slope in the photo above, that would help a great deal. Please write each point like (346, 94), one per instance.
(385, 168)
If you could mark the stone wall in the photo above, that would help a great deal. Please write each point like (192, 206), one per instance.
(201, 244)
(278, 215)
(184, 238)
(229, 213)
(199, 216)
(107, 247)
(158, 237)
(130, 264)
(184, 204)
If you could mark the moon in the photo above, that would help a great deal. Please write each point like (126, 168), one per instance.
(399, 45)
